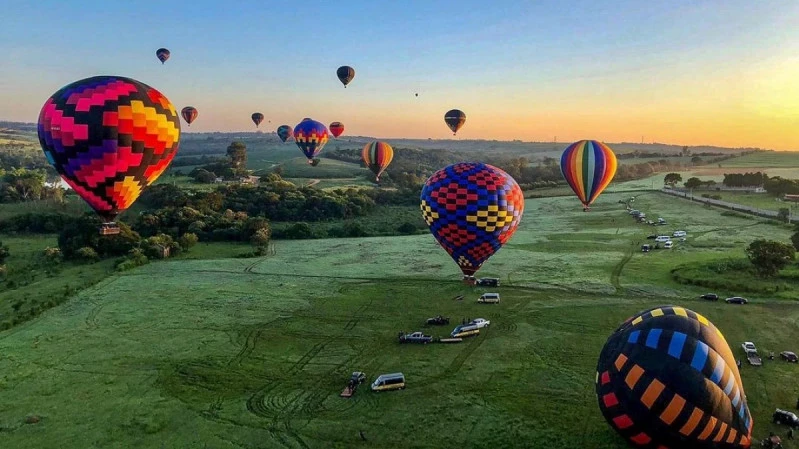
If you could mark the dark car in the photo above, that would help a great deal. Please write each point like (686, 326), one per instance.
(789, 356)
(736, 300)
(652, 237)
(488, 282)
(710, 296)
(785, 417)
(438, 320)
(357, 378)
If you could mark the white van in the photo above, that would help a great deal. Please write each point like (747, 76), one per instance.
(662, 238)
(393, 381)
(679, 234)
(492, 298)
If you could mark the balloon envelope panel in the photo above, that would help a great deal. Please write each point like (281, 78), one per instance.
(667, 379)
(109, 137)
(472, 209)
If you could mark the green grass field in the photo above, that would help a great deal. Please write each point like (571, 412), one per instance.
(773, 159)
(252, 353)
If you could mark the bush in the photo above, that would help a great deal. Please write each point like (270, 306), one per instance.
(88, 254)
(406, 228)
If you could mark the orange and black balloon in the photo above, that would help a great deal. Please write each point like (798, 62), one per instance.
(109, 137)
(455, 118)
(666, 378)
(345, 74)
(377, 155)
(162, 54)
(257, 118)
(189, 113)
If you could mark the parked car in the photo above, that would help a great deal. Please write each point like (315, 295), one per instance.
(661, 221)
(785, 417)
(668, 245)
(736, 300)
(438, 320)
(662, 238)
(416, 337)
(651, 237)
(488, 282)
(789, 356)
(645, 248)
(679, 234)
(751, 353)
(357, 378)
(480, 322)
(748, 346)
(710, 296)
(634, 212)
(489, 298)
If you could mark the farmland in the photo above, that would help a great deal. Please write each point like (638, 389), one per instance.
(231, 353)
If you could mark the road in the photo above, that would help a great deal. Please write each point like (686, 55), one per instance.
(727, 205)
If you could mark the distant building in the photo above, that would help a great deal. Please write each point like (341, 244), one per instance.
(787, 197)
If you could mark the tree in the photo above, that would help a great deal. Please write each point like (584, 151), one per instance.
(188, 240)
(237, 152)
(783, 214)
(261, 238)
(697, 160)
(693, 183)
(769, 257)
(672, 179)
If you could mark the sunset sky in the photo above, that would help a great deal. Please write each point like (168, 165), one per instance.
(718, 72)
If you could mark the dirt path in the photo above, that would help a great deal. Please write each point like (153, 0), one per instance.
(313, 182)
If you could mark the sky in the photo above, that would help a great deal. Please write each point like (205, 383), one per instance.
(686, 72)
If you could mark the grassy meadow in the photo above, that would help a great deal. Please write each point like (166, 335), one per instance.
(217, 352)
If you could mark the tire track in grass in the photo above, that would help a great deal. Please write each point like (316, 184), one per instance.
(614, 275)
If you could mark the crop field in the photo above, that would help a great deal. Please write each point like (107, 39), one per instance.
(766, 159)
(253, 353)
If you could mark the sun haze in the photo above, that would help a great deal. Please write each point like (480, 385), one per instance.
(720, 72)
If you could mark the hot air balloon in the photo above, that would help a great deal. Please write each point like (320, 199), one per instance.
(336, 128)
(377, 156)
(472, 209)
(257, 118)
(588, 166)
(109, 137)
(189, 113)
(455, 119)
(310, 136)
(162, 54)
(345, 74)
(667, 379)
(284, 132)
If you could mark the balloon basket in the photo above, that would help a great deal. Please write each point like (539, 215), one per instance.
(109, 229)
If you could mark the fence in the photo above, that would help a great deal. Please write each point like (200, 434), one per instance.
(727, 205)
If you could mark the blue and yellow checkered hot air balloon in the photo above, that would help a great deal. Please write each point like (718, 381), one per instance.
(310, 136)
(472, 209)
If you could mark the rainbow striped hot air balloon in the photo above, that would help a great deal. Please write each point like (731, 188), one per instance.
(588, 166)
(377, 155)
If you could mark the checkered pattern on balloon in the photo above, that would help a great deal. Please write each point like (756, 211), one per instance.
(311, 137)
(109, 138)
(472, 209)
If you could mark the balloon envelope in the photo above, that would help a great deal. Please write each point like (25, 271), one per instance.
(162, 54)
(310, 136)
(109, 137)
(284, 132)
(189, 114)
(377, 155)
(336, 128)
(472, 209)
(667, 378)
(455, 118)
(257, 118)
(588, 166)
(345, 74)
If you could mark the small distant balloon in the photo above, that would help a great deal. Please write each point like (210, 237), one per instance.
(162, 54)
(336, 128)
(284, 132)
(345, 74)
(257, 118)
(455, 118)
(189, 113)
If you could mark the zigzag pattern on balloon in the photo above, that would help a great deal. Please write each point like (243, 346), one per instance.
(472, 209)
(109, 137)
